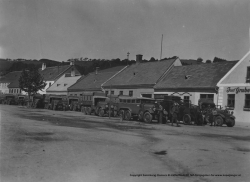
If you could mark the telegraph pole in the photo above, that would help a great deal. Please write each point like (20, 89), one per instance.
(161, 45)
(109, 99)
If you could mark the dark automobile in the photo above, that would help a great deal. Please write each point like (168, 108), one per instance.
(142, 108)
(188, 112)
(108, 107)
(215, 114)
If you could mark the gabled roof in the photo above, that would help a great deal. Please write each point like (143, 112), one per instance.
(93, 81)
(200, 76)
(10, 77)
(53, 73)
(245, 58)
(143, 74)
(63, 83)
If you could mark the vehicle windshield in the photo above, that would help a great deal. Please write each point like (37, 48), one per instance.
(145, 101)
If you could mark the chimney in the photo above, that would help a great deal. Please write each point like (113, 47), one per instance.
(72, 73)
(96, 70)
(43, 66)
(138, 58)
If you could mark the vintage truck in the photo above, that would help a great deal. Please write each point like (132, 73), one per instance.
(8, 99)
(56, 102)
(109, 107)
(188, 113)
(88, 101)
(141, 108)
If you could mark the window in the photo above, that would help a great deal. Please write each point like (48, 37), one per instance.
(128, 101)
(133, 101)
(247, 102)
(138, 101)
(207, 96)
(112, 92)
(231, 100)
(160, 96)
(248, 75)
(130, 93)
(121, 93)
(49, 84)
(107, 92)
(147, 95)
(80, 94)
(65, 84)
(186, 99)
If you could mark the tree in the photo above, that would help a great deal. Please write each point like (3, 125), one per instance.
(208, 61)
(218, 60)
(199, 60)
(31, 81)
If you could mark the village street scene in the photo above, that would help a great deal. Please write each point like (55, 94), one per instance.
(124, 91)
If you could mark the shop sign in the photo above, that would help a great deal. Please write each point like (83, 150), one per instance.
(238, 89)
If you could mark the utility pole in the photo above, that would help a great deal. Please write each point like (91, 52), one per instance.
(161, 45)
(128, 56)
(109, 99)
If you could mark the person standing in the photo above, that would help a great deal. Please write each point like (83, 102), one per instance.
(175, 112)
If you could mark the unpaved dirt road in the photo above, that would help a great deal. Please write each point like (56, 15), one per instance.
(54, 146)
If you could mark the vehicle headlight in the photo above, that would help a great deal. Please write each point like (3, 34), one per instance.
(106, 106)
(112, 106)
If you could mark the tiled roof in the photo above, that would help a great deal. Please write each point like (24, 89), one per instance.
(10, 77)
(141, 74)
(92, 81)
(62, 84)
(195, 76)
(52, 73)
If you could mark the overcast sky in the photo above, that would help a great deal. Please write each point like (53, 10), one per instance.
(63, 29)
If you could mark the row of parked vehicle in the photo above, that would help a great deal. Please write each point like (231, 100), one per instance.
(137, 108)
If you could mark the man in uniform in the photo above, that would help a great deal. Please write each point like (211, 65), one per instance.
(174, 112)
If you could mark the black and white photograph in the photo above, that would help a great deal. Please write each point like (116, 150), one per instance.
(124, 90)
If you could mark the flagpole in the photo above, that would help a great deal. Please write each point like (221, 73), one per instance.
(161, 45)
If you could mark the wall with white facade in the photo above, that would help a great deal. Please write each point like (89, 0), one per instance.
(136, 92)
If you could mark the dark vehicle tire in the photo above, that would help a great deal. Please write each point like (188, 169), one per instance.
(101, 112)
(88, 111)
(187, 119)
(140, 116)
(115, 113)
(82, 110)
(231, 123)
(74, 108)
(218, 121)
(147, 117)
(127, 115)
(121, 114)
(200, 120)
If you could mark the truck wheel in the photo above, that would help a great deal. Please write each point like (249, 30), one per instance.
(127, 115)
(140, 116)
(88, 109)
(218, 121)
(231, 123)
(115, 113)
(101, 112)
(147, 117)
(121, 114)
(186, 119)
(82, 110)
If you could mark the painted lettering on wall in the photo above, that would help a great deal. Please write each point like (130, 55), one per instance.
(238, 89)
